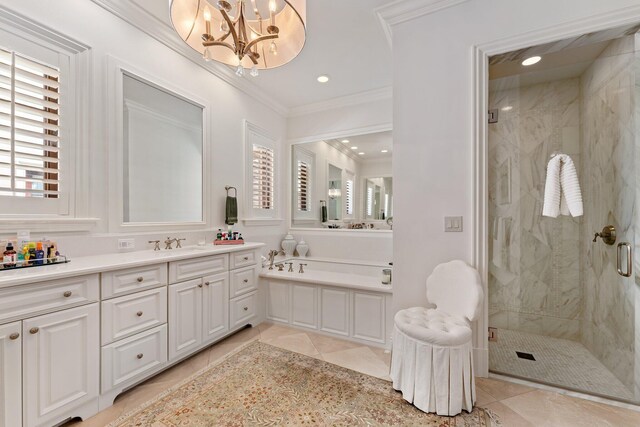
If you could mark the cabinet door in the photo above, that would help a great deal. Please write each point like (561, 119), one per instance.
(369, 316)
(334, 311)
(278, 301)
(185, 317)
(10, 375)
(61, 364)
(215, 311)
(304, 306)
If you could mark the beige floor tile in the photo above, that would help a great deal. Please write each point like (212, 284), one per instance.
(326, 344)
(270, 331)
(506, 416)
(101, 419)
(243, 336)
(300, 343)
(544, 408)
(483, 398)
(360, 359)
(501, 389)
(383, 354)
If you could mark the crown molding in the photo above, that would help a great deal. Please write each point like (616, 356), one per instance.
(405, 10)
(343, 101)
(135, 15)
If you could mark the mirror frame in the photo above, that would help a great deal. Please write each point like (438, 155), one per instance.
(115, 122)
(315, 138)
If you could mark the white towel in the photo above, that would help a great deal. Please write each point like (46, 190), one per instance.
(562, 190)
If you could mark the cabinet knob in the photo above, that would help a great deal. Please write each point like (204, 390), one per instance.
(14, 336)
(34, 330)
(140, 279)
(67, 294)
(246, 258)
(206, 283)
(139, 314)
(246, 308)
(140, 356)
(200, 285)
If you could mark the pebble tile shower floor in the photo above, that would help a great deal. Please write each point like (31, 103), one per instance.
(559, 362)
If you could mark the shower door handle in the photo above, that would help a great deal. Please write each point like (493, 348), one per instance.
(629, 259)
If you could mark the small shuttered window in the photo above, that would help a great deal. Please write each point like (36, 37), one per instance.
(304, 203)
(263, 177)
(348, 200)
(29, 127)
(369, 201)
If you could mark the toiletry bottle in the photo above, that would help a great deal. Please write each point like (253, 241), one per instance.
(32, 253)
(219, 235)
(39, 254)
(53, 250)
(20, 258)
(240, 236)
(9, 256)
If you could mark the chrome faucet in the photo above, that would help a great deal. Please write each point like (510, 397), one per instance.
(156, 244)
(301, 268)
(290, 270)
(272, 255)
(280, 267)
(178, 244)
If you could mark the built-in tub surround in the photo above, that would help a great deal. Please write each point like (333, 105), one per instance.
(336, 297)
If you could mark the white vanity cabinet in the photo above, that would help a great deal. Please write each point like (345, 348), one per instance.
(11, 374)
(49, 351)
(359, 315)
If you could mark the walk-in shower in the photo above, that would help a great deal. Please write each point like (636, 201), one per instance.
(562, 308)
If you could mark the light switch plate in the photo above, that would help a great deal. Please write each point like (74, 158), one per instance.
(126, 244)
(452, 223)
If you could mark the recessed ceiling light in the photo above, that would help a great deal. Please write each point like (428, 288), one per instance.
(323, 78)
(354, 148)
(507, 108)
(384, 151)
(345, 141)
(532, 60)
(361, 153)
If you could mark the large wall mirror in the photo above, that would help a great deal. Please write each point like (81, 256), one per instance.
(162, 155)
(343, 183)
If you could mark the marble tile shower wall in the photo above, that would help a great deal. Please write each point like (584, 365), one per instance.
(610, 186)
(535, 282)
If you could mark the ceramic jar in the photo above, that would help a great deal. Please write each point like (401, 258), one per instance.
(288, 244)
(302, 248)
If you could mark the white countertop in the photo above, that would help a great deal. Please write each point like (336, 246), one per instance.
(117, 261)
(330, 278)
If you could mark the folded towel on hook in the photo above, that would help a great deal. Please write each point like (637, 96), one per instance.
(231, 211)
(562, 194)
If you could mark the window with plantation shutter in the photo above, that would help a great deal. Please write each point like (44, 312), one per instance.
(29, 127)
(263, 177)
(348, 199)
(304, 204)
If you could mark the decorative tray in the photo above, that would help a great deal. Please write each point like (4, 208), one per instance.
(228, 242)
(60, 259)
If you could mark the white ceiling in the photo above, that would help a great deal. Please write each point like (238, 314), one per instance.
(371, 145)
(344, 40)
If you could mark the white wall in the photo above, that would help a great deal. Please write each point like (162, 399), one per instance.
(109, 36)
(433, 124)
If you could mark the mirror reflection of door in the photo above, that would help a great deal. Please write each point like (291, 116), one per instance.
(334, 193)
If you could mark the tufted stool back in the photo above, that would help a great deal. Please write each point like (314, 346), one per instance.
(455, 288)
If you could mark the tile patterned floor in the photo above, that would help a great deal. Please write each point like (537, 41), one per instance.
(515, 404)
(565, 363)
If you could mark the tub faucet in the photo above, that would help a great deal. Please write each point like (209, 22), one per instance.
(272, 255)
(301, 268)
(280, 267)
(290, 270)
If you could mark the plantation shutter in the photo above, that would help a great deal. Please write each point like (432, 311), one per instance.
(349, 197)
(263, 177)
(304, 204)
(29, 127)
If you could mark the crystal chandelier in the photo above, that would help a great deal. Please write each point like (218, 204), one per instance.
(333, 191)
(255, 34)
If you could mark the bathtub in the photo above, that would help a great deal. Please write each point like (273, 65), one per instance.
(341, 298)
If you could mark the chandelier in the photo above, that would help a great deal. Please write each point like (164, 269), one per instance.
(250, 34)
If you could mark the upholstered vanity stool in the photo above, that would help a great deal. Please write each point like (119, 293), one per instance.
(432, 360)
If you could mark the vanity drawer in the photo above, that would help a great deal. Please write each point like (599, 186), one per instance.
(197, 267)
(133, 358)
(123, 282)
(243, 309)
(130, 314)
(243, 281)
(20, 302)
(243, 259)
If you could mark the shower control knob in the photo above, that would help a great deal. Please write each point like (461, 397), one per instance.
(608, 235)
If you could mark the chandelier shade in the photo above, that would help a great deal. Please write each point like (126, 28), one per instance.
(257, 34)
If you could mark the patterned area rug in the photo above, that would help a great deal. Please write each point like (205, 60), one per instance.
(262, 385)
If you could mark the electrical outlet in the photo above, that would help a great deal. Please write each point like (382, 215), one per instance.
(452, 223)
(126, 244)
